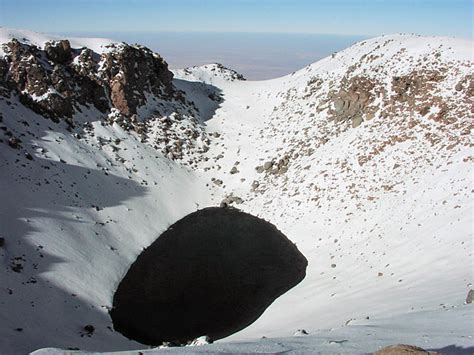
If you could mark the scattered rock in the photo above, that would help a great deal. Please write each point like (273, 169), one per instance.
(218, 182)
(255, 184)
(424, 110)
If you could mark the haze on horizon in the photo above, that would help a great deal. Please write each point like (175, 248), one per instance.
(261, 39)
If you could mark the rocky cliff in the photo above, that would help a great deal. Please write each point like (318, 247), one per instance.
(58, 81)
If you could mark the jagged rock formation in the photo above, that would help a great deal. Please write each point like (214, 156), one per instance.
(132, 72)
(57, 81)
(127, 85)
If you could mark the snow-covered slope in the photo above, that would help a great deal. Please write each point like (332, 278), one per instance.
(382, 211)
(362, 338)
(213, 74)
(363, 159)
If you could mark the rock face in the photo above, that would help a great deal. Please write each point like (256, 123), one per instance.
(57, 80)
(213, 272)
(58, 51)
(133, 71)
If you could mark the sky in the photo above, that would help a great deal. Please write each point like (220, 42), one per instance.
(344, 17)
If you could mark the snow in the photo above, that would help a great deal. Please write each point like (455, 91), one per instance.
(98, 45)
(365, 336)
(45, 95)
(212, 74)
(398, 228)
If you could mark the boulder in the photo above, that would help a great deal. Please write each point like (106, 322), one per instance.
(470, 296)
(267, 165)
(357, 120)
(58, 51)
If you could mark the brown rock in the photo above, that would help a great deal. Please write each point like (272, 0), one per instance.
(127, 76)
(357, 120)
(401, 349)
(353, 99)
(58, 51)
(133, 71)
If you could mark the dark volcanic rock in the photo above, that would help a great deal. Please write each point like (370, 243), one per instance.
(58, 51)
(213, 272)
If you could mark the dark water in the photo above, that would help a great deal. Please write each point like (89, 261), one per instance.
(213, 273)
(255, 55)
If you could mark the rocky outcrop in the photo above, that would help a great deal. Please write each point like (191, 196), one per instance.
(401, 349)
(57, 81)
(58, 52)
(353, 100)
(132, 72)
